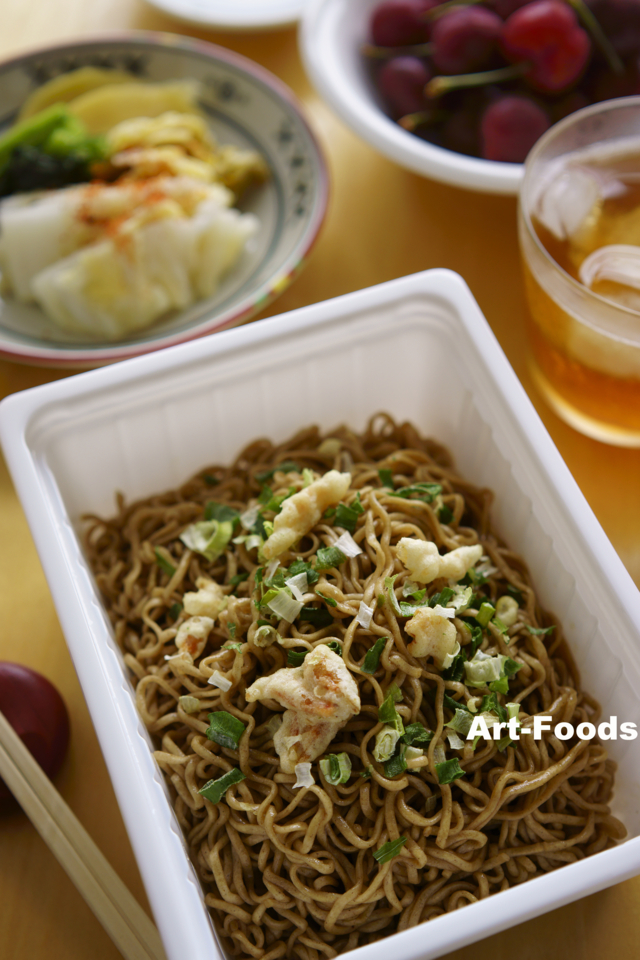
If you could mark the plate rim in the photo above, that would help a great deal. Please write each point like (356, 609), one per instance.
(267, 292)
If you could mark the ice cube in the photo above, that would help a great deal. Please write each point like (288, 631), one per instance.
(618, 262)
(567, 202)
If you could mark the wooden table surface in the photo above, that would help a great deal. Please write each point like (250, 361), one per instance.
(383, 222)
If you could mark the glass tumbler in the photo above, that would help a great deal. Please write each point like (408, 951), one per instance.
(581, 187)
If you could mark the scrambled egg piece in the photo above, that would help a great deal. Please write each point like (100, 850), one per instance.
(320, 696)
(207, 601)
(434, 635)
(424, 563)
(193, 634)
(303, 510)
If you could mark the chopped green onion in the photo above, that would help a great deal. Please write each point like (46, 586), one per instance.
(301, 566)
(238, 578)
(287, 466)
(396, 764)
(163, 563)
(476, 640)
(175, 610)
(442, 599)
(307, 477)
(366, 773)
(511, 667)
(483, 669)
(386, 478)
(395, 693)
(386, 742)
(416, 733)
(485, 613)
(347, 517)
(541, 631)
(461, 599)
(328, 557)
(389, 850)
(295, 658)
(329, 600)
(208, 537)
(225, 729)
(298, 584)
(265, 635)
(449, 771)
(372, 656)
(265, 495)
(513, 710)
(490, 705)
(500, 686)
(221, 512)
(499, 625)
(236, 647)
(445, 514)
(283, 605)
(336, 646)
(336, 768)
(411, 589)
(318, 616)
(210, 480)
(388, 714)
(215, 790)
(455, 672)
(388, 582)
(461, 721)
(423, 491)
(189, 704)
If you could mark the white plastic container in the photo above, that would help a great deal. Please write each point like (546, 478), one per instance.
(417, 347)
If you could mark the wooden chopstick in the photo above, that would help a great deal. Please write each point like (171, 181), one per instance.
(134, 934)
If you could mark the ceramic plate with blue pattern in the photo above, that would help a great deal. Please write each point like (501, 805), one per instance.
(246, 106)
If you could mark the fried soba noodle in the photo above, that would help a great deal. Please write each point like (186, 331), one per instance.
(265, 657)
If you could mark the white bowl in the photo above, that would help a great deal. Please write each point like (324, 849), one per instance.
(237, 15)
(418, 347)
(331, 35)
(247, 106)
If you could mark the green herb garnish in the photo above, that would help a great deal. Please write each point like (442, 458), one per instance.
(541, 631)
(215, 790)
(164, 564)
(389, 850)
(449, 771)
(328, 557)
(318, 616)
(225, 729)
(372, 656)
(329, 600)
(416, 733)
(295, 658)
(422, 491)
(287, 466)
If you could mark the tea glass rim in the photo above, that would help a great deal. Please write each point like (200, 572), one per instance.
(604, 106)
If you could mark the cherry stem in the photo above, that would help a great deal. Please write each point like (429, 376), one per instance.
(386, 53)
(439, 85)
(436, 12)
(599, 37)
(413, 120)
